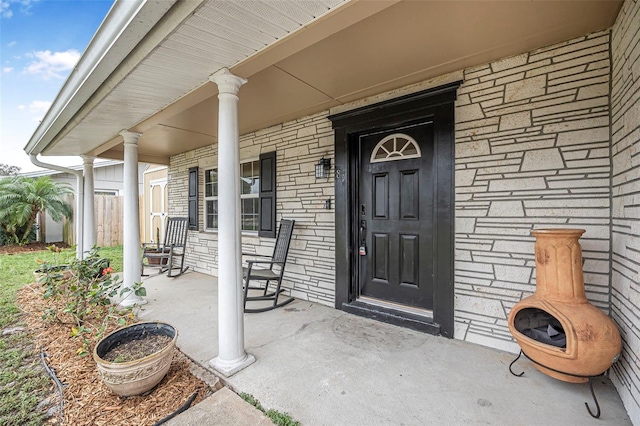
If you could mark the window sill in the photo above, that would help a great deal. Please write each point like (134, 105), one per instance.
(244, 233)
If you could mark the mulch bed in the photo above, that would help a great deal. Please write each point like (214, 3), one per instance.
(30, 247)
(87, 401)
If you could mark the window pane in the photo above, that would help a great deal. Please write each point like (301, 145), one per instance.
(246, 214)
(408, 148)
(250, 214)
(249, 189)
(209, 176)
(245, 185)
(245, 170)
(246, 176)
(214, 181)
(211, 183)
(255, 187)
(212, 214)
(208, 214)
(256, 214)
(250, 178)
(207, 183)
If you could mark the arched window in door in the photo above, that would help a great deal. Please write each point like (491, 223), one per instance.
(397, 146)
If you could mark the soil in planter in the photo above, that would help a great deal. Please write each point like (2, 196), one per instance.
(136, 349)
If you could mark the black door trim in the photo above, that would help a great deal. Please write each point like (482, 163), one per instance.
(435, 104)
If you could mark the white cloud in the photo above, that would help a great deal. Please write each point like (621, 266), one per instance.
(12, 43)
(5, 11)
(7, 70)
(39, 107)
(25, 7)
(52, 64)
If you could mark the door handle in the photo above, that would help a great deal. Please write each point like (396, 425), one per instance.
(362, 251)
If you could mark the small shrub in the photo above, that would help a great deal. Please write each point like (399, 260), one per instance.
(4, 241)
(277, 417)
(83, 289)
(251, 400)
(281, 419)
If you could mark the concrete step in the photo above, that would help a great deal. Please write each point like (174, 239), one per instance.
(224, 407)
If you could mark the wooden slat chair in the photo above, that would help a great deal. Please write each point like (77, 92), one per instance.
(269, 271)
(166, 255)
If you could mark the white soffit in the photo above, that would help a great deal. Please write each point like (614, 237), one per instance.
(219, 34)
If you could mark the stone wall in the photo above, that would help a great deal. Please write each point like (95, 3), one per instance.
(532, 150)
(299, 145)
(625, 130)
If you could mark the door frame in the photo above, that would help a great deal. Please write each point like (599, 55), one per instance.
(437, 105)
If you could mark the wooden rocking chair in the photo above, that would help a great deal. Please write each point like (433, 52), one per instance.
(268, 271)
(162, 256)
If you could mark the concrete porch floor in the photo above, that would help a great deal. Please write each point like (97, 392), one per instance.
(326, 367)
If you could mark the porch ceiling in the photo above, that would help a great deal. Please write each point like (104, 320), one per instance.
(303, 57)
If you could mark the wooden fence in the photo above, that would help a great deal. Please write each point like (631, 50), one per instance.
(109, 216)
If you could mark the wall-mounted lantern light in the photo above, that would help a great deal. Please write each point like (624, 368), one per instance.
(323, 168)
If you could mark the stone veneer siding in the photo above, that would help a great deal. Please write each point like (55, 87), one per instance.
(532, 150)
(625, 130)
(299, 145)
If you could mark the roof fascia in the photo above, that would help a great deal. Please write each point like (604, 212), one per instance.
(126, 24)
(76, 167)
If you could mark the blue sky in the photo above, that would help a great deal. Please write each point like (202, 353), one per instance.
(40, 42)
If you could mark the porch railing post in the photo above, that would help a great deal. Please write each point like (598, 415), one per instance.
(89, 231)
(231, 354)
(131, 249)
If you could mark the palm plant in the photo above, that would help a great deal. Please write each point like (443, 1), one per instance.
(22, 198)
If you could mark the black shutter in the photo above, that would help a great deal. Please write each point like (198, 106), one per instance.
(267, 195)
(193, 198)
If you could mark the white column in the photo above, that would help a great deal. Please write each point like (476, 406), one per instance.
(89, 224)
(78, 216)
(131, 249)
(231, 354)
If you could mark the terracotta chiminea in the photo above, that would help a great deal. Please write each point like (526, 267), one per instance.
(557, 327)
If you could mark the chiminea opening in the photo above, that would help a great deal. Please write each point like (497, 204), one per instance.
(540, 326)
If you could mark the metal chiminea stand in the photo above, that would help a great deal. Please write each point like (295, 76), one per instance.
(565, 336)
(590, 378)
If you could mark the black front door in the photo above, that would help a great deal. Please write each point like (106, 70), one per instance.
(396, 215)
(394, 174)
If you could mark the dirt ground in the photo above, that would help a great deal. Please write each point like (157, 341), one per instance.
(30, 247)
(87, 401)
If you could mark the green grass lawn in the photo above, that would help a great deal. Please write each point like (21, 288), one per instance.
(23, 383)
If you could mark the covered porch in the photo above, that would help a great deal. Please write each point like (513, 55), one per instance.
(520, 115)
(325, 366)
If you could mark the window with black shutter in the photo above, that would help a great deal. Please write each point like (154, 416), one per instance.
(249, 197)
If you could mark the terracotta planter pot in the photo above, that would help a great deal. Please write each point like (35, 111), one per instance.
(141, 375)
(593, 341)
(155, 261)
